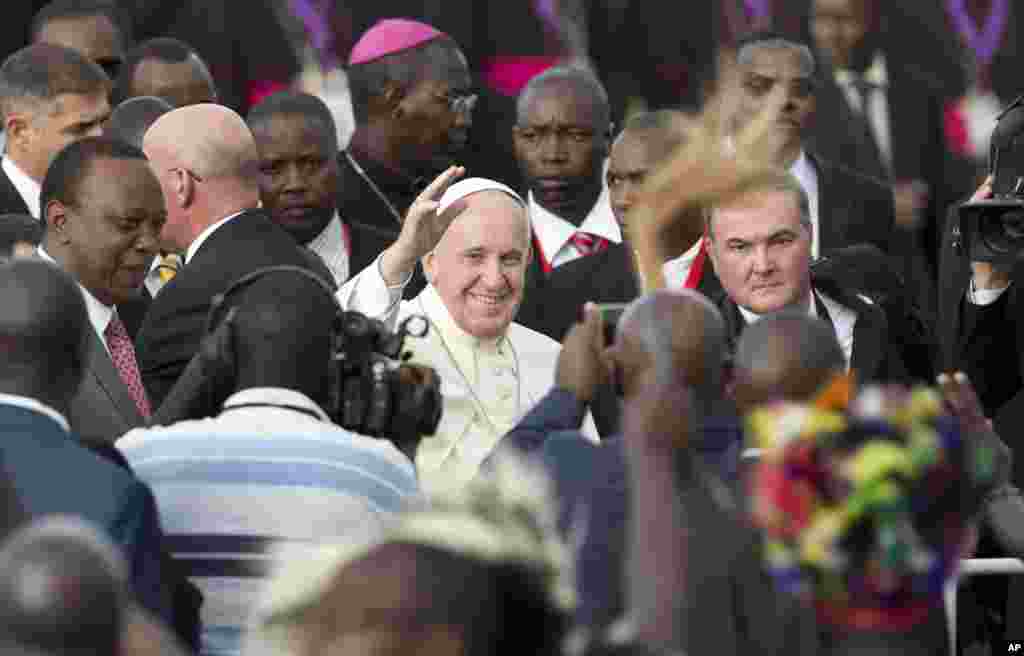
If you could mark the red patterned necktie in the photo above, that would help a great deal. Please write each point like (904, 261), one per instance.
(123, 355)
(588, 244)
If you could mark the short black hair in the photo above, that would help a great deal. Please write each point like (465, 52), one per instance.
(163, 49)
(16, 228)
(72, 164)
(42, 71)
(69, 9)
(130, 120)
(292, 103)
(368, 80)
(580, 78)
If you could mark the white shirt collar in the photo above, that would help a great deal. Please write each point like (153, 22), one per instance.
(28, 188)
(277, 396)
(99, 314)
(553, 232)
(37, 407)
(332, 248)
(877, 73)
(205, 234)
(678, 268)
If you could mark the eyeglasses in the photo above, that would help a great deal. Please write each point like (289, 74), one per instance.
(461, 104)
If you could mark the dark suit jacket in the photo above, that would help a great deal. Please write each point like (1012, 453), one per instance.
(174, 326)
(52, 474)
(852, 208)
(373, 226)
(102, 410)
(876, 357)
(11, 201)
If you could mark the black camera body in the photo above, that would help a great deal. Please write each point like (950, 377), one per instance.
(992, 230)
(372, 390)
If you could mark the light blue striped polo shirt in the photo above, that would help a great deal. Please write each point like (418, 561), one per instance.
(261, 482)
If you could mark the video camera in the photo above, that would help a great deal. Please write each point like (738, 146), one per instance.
(992, 230)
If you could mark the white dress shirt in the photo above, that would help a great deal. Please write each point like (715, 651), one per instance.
(333, 248)
(553, 232)
(28, 188)
(205, 234)
(977, 296)
(99, 314)
(486, 385)
(678, 270)
(803, 170)
(843, 321)
(878, 106)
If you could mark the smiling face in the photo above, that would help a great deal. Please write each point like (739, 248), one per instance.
(298, 175)
(107, 239)
(560, 145)
(761, 250)
(479, 267)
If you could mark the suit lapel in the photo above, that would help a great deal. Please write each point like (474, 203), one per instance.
(869, 341)
(832, 220)
(10, 200)
(101, 367)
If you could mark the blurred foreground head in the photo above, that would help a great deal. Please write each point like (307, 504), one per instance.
(477, 572)
(867, 511)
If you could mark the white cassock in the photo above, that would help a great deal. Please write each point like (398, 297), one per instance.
(486, 385)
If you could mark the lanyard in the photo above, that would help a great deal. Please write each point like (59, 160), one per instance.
(545, 265)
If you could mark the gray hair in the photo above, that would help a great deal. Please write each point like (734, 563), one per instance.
(749, 50)
(581, 80)
(769, 180)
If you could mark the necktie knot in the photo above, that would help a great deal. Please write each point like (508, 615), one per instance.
(587, 243)
(168, 266)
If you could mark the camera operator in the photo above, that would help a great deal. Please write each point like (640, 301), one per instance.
(271, 470)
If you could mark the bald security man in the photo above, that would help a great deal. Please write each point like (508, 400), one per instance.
(45, 331)
(206, 161)
(168, 69)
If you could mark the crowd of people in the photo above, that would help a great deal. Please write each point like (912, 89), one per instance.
(526, 361)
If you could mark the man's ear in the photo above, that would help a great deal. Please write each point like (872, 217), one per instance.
(16, 126)
(56, 216)
(430, 266)
(391, 99)
(184, 188)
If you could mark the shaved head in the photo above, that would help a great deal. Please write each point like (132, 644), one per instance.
(211, 140)
(43, 331)
(680, 329)
(789, 356)
(131, 119)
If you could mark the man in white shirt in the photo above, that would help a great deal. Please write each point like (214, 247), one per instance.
(104, 214)
(760, 245)
(474, 242)
(297, 144)
(206, 161)
(49, 97)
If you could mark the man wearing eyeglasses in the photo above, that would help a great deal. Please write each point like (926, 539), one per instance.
(50, 96)
(412, 103)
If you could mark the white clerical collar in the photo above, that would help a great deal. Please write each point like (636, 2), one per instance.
(205, 234)
(27, 188)
(38, 407)
(99, 313)
(553, 232)
(432, 304)
(751, 317)
(275, 396)
(802, 169)
(876, 74)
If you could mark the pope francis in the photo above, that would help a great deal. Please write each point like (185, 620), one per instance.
(473, 238)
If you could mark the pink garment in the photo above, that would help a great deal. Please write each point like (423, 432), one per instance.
(123, 355)
(389, 36)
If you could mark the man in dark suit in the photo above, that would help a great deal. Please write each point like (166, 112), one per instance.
(46, 334)
(760, 246)
(104, 212)
(49, 96)
(299, 170)
(412, 104)
(206, 160)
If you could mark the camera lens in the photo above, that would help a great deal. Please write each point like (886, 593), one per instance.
(1003, 232)
(1013, 225)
